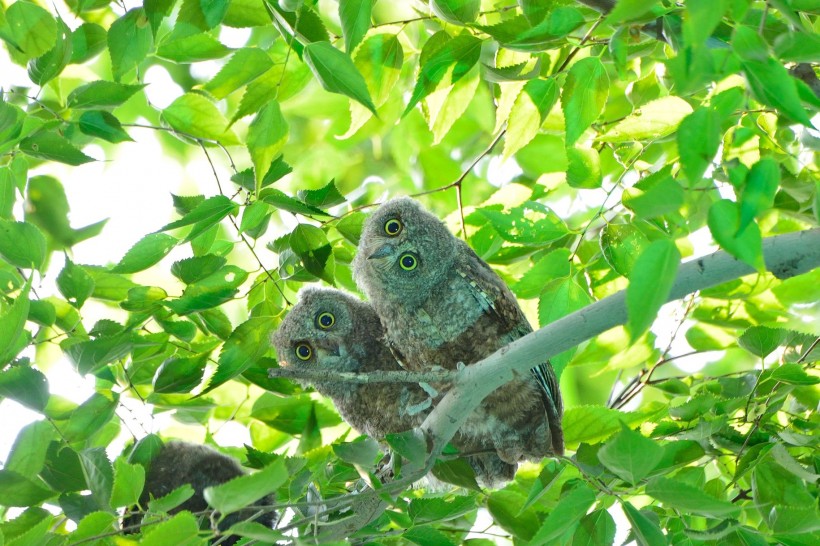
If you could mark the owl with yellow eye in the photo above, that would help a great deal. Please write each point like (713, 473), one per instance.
(442, 305)
(331, 330)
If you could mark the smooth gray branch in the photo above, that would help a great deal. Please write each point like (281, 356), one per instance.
(370, 377)
(785, 255)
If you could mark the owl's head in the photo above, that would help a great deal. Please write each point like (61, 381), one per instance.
(328, 329)
(403, 251)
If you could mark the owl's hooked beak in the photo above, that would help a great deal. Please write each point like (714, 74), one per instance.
(382, 252)
(327, 347)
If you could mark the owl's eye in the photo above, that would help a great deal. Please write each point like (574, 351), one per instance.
(303, 351)
(325, 320)
(393, 227)
(408, 262)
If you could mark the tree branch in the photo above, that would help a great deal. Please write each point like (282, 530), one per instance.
(369, 377)
(786, 256)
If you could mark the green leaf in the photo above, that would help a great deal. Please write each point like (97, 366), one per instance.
(559, 298)
(761, 340)
(205, 215)
(21, 491)
(426, 535)
(682, 496)
(23, 384)
(758, 193)
(646, 530)
(12, 333)
(456, 11)
(724, 223)
(101, 94)
(702, 17)
(104, 125)
(543, 483)
(326, 196)
(180, 375)
(409, 444)
(355, 18)
(202, 14)
(98, 474)
(129, 41)
(584, 96)
(87, 41)
(128, 483)
(630, 455)
(629, 10)
(423, 511)
(45, 68)
(52, 146)
(197, 117)
(75, 284)
(439, 55)
(28, 454)
(793, 374)
(505, 508)
(22, 244)
(584, 169)
(530, 223)
(596, 529)
(32, 29)
(267, 135)
(573, 506)
(92, 355)
(189, 49)
(351, 225)
(698, 141)
(797, 47)
(519, 33)
(90, 417)
(244, 490)
(653, 120)
(244, 66)
(336, 73)
(457, 472)
(247, 344)
(181, 529)
(146, 252)
(772, 85)
(191, 270)
(592, 424)
(312, 247)
(529, 111)
(211, 291)
(621, 245)
(554, 265)
(650, 283)
(362, 451)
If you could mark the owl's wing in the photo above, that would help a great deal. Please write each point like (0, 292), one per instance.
(495, 297)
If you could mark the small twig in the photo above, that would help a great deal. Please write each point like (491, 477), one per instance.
(577, 48)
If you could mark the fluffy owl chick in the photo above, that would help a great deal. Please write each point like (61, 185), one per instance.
(440, 305)
(179, 463)
(331, 330)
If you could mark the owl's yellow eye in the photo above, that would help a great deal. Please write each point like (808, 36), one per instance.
(325, 320)
(408, 262)
(393, 227)
(303, 351)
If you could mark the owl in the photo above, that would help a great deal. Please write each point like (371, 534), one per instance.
(331, 330)
(179, 463)
(442, 305)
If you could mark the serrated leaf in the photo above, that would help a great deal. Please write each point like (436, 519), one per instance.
(698, 141)
(336, 73)
(52, 146)
(207, 214)
(128, 482)
(724, 223)
(244, 66)
(584, 96)
(312, 247)
(559, 298)
(267, 135)
(574, 504)
(650, 283)
(530, 223)
(458, 472)
(21, 491)
(355, 18)
(529, 111)
(772, 85)
(677, 494)
(87, 41)
(584, 168)
(621, 245)
(281, 201)
(193, 48)
(32, 29)
(129, 41)
(146, 252)
(758, 194)
(456, 11)
(628, 10)
(101, 124)
(655, 119)
(196, 116)
(179, 375)
(244, 490)
(24, 384)
(247, 344)
(595, 529)
(181, 529)
(22, 244)
(194, 269)
(211, 291)
(88, 419)
(646, 530)
(45, 68)
(75, 284)
(630, 455)
(101, 94)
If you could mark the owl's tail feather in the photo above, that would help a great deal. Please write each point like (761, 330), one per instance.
(551, 397)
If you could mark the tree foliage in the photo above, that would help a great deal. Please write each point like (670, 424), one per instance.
(579, 149)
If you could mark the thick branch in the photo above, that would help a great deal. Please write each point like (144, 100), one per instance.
(786, 256)
(370, 377)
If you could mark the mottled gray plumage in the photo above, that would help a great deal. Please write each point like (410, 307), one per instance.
(179, 463)
(440, 305)
(344, 334)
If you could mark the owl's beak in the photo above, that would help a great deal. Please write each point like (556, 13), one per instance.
(382, 252)
(328, 347)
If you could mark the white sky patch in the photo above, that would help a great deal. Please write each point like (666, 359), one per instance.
(162, 90)
(234, 37)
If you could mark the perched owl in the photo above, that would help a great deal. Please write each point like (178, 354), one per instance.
(331, 330)
(179, 463)
(440, 305)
